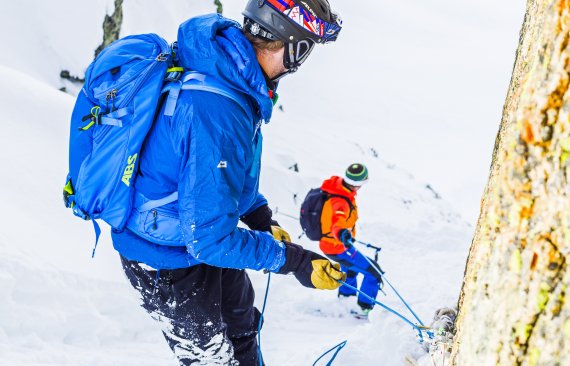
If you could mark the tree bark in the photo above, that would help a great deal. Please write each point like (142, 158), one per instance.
(512, 308)
(111, 27)
(219, 6)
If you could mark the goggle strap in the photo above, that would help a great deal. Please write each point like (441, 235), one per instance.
(258, 31)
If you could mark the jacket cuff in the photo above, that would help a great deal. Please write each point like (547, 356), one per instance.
(336, 232)
(280, 259)
(293, 257)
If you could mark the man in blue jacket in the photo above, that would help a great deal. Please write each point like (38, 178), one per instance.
(185, 255)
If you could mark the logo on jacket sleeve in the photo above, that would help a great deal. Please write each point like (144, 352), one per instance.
(128, 173)
(222, 164)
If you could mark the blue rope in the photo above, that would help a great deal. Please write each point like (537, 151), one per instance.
(387, 308)
(430, 334)
(338, 347)
(404, 301)
(261, 321)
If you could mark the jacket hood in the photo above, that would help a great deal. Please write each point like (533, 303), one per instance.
(334, 185)
(214, 45)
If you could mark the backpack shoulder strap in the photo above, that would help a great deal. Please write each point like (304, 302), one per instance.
(350, 205)
(196, 81)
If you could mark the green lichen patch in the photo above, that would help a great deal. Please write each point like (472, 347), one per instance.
(543, 296)
(515, 263)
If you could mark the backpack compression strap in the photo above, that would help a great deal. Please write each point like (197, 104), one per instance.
(150, 204)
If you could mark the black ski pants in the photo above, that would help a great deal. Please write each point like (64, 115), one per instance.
(206, 313)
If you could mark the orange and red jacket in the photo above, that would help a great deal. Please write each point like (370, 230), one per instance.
(337, 215)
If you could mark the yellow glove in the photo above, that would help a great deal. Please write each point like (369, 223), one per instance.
(311, 269)
(279, 233)
(325, 275)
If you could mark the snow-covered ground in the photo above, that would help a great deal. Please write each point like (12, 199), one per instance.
(435, 117)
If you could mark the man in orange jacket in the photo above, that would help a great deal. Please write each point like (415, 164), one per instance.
(338, 221)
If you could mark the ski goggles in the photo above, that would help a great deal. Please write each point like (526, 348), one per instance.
(297, 53)
(294, 55)
(325, 31)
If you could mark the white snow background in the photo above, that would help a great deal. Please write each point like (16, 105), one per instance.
(409, 87)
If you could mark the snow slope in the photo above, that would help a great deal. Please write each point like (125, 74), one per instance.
(57, 307)
(60, 307)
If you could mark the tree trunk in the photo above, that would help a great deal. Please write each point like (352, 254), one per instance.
(111, 27)
(512, 309)
(219, 6)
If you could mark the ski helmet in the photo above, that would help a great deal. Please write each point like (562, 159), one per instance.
(299, 24)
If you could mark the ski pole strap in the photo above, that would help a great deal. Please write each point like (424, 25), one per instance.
(338, 347)
(418, 329)
(376, 266)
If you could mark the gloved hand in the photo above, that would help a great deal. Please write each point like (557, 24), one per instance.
(260, 219)
(311, 269)
(280, 234)
(345, 236)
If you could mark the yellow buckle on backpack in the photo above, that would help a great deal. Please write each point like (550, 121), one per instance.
(174, 73)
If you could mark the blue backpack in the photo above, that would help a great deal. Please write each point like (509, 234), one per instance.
(112, 116)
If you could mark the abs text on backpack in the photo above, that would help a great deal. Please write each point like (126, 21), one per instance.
(312, 210)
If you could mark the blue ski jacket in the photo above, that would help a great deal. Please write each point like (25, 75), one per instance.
(209, 152)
